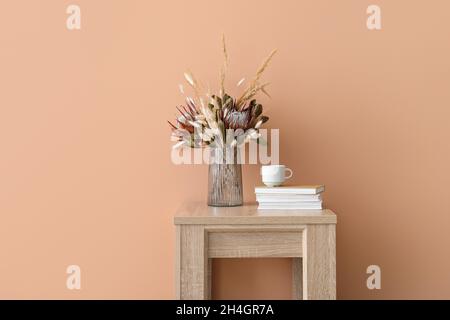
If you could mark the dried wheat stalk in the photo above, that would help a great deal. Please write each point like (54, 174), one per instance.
(223, 70)
(254, 85)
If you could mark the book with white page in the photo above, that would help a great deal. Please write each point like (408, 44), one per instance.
(298, 190)
(293, 203)
(287, 197)
(283, 206)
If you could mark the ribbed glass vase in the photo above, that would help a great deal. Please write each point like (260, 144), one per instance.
(225, 178)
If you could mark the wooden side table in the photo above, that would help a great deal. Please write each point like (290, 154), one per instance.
(307, 236)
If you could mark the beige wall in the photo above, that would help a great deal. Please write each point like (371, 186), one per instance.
(85, 170)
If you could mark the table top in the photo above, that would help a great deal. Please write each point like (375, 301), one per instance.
(201, 213)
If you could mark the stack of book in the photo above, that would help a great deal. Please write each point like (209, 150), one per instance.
(290, 197)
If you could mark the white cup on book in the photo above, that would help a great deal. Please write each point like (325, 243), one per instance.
(275, 175)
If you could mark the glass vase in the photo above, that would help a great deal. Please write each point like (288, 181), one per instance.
(225, 178)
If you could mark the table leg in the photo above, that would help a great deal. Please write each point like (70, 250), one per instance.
(297, 279)
(208, 280)
(319, 262)
(192, 263)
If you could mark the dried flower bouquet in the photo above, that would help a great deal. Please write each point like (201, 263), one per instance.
(205, 120)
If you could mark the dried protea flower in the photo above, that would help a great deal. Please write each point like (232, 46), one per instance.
(237, 119)
(247, 118)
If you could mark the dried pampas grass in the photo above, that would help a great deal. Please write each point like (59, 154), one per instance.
(193, 83)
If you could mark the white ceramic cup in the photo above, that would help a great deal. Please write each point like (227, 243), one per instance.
(275, 175)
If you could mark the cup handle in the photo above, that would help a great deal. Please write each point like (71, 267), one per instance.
(290, 173)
